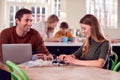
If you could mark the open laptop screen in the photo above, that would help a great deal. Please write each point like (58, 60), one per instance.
(18, 53)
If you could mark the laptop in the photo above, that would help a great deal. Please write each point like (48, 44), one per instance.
(18, 53)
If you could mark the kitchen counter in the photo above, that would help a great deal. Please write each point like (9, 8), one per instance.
(71, 44)
(63, 44)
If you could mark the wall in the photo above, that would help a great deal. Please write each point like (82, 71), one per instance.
(75, 9)
(2, 17)
(1, 13)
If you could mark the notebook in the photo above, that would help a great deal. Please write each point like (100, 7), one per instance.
(18, 53)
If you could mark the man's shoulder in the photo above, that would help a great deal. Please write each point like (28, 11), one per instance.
(33, 31)
(7, 30)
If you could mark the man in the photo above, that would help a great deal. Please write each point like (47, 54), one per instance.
(22, 33)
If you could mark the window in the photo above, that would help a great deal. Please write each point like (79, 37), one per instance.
(105, 11)
(38, 13)
(12, 11)
(41, 9)
(57, 7)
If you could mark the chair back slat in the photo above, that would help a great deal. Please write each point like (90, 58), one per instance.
(16, 72)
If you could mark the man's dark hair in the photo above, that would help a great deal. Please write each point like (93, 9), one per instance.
(21, 12)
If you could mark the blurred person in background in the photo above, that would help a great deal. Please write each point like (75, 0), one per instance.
(46, 28)
(64, 31)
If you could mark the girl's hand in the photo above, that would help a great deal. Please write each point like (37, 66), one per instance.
(61, 57)
(69, 59)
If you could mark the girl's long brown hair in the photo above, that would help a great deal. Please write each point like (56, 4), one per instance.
(96, 31)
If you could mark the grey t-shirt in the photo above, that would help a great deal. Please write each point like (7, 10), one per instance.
(97, 50)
